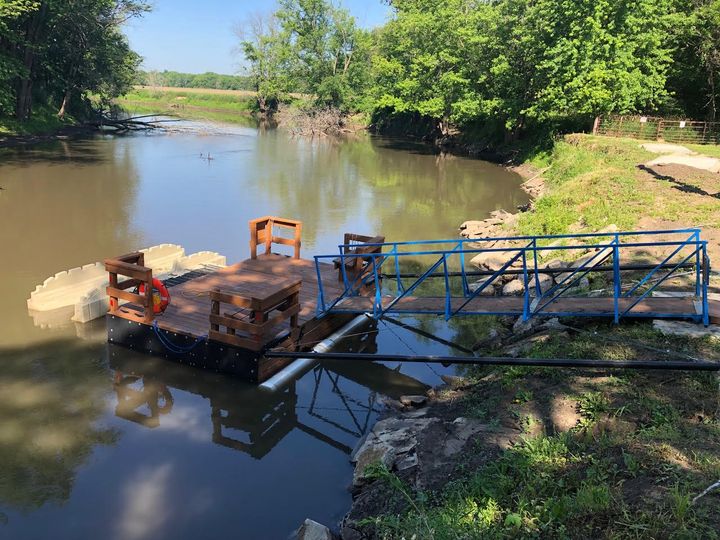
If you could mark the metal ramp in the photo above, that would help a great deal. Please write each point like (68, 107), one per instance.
(436, 277)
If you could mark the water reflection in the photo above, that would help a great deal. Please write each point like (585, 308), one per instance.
(51, 397)
(343, 399)
(101, 439)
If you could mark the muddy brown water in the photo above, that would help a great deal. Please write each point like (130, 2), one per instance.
(98, 441)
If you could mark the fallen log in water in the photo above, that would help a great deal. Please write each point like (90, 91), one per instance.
(133, 123)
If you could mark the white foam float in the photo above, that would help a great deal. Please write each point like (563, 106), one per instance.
(83, 288)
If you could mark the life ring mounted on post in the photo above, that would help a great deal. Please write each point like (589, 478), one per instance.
(160, 295)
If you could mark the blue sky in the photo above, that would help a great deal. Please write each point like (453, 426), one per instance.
(197, 36)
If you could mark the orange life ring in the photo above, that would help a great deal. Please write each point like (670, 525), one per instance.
(160, 295)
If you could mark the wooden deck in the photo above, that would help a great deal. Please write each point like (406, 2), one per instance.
(189, 310)
(514, 305)
(224, 320)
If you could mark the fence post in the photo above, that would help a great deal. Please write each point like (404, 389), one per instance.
(659, 129)
(596, 125)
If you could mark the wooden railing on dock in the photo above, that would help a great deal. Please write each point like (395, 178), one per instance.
(255, 324)
(131, 266)
(261, 233)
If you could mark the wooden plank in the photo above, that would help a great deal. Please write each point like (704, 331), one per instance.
(235, 324)
(232, 299)
(129, 270)
(124, 295)
(283, 241)
(280, 296)
(283, 316)
(128, 283)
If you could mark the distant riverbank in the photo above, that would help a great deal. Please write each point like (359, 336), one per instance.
(233, 106)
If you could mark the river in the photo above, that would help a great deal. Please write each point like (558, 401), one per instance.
(98, 441)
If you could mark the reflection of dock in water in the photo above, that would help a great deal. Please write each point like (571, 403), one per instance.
(253, 421)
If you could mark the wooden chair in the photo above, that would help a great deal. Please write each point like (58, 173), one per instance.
(356, 265)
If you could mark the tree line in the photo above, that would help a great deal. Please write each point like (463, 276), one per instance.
(208, 79)
(505, 65)
(57, 53)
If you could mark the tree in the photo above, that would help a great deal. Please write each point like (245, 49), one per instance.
(518, 61)
(55, 50)
(433, 60)
(695, 73)
(12, 14)
(307, 46)
(266, 49)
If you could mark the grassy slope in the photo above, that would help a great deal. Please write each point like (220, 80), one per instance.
(641, 444)
(595, 181)
(193, 103)
(43, 121)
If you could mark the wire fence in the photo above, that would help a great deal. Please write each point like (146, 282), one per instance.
(657, 128)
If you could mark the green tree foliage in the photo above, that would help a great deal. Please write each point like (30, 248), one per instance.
(11, 66)
(433, 60)
(461, 61)
(695, 74)
(266, 48)
(308, 46)
(514, 65)
(208, 79)
(56, 52)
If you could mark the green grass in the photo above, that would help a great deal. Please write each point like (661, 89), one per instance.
(43, 121)
(218, 107)
(595, 181)
(644, 445)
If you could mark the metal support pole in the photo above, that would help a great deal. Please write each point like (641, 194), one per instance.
(616, 279)
(321, 294)
(526, 292)
(377, 308)
(448, 305)
(705, 279)
(698, 277)
(538, 292)
(502, 361)
(397, 270)
(466, 288)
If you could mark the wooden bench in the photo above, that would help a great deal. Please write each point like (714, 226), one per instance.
(255, 323)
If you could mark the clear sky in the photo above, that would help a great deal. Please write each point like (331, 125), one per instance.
(196, 36)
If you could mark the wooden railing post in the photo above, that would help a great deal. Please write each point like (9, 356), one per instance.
(131, 266)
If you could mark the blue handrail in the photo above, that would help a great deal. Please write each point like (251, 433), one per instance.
(439, 255)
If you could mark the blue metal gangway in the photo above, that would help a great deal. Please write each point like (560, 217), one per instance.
(373, 278)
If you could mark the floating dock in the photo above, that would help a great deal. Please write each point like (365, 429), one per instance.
(255, 317)
(225, 320)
